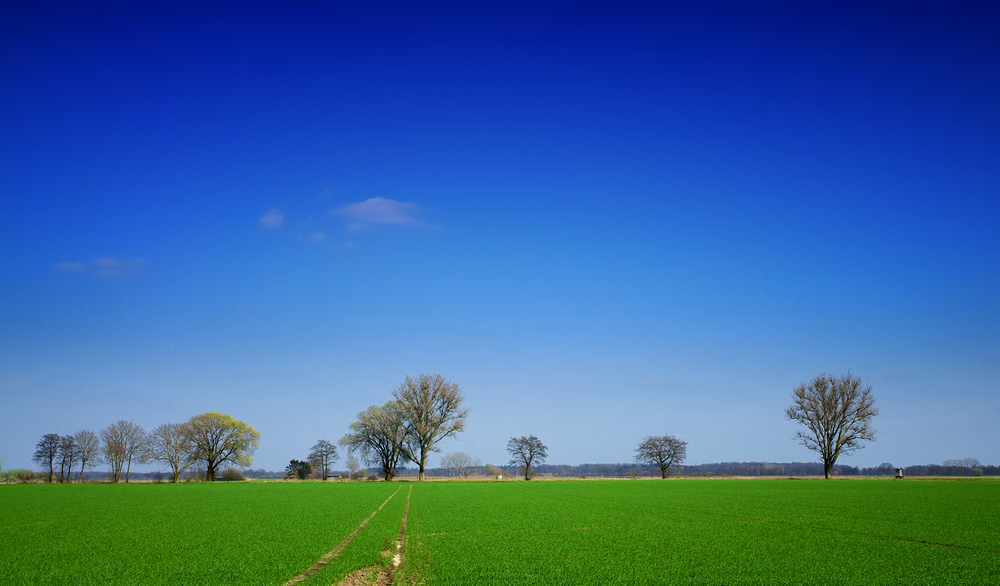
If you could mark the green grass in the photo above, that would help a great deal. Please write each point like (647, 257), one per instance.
(222, 533)
(710, 532)
(590, 532)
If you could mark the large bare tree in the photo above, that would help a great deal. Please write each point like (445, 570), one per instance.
(322, 457)
(432, 410)
(170, 443)
(378, 436)
(46, 451)
(663, 451)
(218, 438)
(88, 449)
(525, 451)
(837, 412)
(122, 443)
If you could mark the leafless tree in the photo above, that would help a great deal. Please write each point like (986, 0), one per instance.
(67, 453)
(837, 412)
(170, 443)
(322, 457)
(661, 450)
(88, 449)
(123, 443)
(352, 466)
(458, 462)
(525, 451)
(46, 452)
(378, 436)
(432, 410)
(963, 463)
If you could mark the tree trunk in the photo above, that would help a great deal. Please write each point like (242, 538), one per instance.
(827, 467)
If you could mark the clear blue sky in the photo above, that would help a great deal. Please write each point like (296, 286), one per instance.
(601, 222)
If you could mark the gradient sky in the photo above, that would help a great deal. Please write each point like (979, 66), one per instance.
(602, 223)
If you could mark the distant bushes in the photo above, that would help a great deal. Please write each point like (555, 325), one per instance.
(232, 474)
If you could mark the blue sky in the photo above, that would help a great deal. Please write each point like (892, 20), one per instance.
(601, 222)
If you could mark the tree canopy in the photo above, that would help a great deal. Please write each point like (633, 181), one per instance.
(663, 451)
(378, 437)
(525, 451)
(322, 457)
(432, 410)
(837, 412)
(217, 438)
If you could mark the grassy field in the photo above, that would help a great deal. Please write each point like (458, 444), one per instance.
(204, 534)
(577, 532)
(709, 532)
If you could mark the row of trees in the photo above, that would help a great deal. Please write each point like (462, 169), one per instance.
(319, 463)
(423, 411)
(663, 451)
(210, 438)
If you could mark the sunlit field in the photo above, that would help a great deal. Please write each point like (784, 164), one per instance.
(720, 531)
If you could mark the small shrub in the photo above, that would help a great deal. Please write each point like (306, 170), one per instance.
(373, 477)
(977, 472)
(231, 474)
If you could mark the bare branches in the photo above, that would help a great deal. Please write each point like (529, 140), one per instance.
(122, 442)
(432, 410)
(378, 436)
(661, 450)
(88, 447)
(837, 413)
(526, 450)
(322, 457)
(172, 444)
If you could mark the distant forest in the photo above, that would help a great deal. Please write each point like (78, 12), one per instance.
(720, 469)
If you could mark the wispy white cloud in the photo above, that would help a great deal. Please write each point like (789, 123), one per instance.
(379, 210)
(72, 267)
(272, 219)
(104, 267)
(317, 237)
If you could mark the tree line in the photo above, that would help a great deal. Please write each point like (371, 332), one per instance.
(212, 439)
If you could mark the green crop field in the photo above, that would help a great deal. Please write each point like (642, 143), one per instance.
(576, 532)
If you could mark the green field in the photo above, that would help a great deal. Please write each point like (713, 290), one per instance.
(575, 532)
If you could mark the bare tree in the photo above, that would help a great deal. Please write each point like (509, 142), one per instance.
(67, 453)
(219, 438)
(378, 437)
(88, 449)
(661, 450)
(432, 410)
(46, 451)
(448, 463)
(123, 443)
(525, 451)
(837, 412)
(459, 462)
(962, 463)
(322, 457)
(170, 443)
(352, 466)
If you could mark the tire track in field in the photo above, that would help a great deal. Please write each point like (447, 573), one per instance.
(336, 551)
(397, 559)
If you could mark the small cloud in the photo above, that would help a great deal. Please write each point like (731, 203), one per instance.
(104, 267)
(72, 267)
(379, 210)
(272, 219)
(116, 267)
(317, 237)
